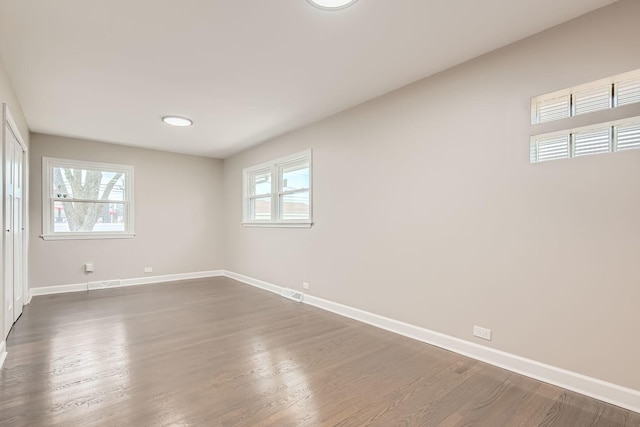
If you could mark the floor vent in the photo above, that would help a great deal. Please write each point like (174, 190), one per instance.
(292, 295)
(103, 285)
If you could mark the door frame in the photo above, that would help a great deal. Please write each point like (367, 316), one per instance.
(8, 124)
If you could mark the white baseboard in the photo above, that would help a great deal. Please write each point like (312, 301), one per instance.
(254, 282)
(60, 289)
(607, 392)
(3, 353)
(170, 278)
(79, 287)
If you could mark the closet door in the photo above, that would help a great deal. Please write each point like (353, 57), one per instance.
(14, 228)
(9, 152)
(17, 230)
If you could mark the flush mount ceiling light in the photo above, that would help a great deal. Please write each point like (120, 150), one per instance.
(332, 4)
(177, 121)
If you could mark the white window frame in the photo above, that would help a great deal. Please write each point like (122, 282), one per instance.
(275, 168)
(570, 93)
(595, 106)
(612, 126)
(48, 200)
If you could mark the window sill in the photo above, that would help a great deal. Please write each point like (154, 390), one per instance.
(278, 224)
(86, 236)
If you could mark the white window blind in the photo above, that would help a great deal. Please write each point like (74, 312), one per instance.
(615, 136)
(553, 148)
(553, 109)
(627, 137)
(590, 100)
(592, 142)
(598, 95)
(593, 134)
(627, 92)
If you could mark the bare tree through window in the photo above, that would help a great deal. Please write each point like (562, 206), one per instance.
(81, 186)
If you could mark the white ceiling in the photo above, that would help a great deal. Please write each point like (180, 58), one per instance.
(243, 70)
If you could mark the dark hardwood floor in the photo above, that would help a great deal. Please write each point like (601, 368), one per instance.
(215, 352)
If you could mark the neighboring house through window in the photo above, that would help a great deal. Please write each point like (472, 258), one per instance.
(278, 193)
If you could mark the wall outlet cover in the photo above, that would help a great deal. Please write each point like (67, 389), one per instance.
(481, 332)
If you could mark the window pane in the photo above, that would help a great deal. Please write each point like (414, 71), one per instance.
(83, 217)
(628, 137)
(628, 92)
(295, 206)
(261, 183)
(553, 109)
(553, 148)
(88, 184)
(592, 142)
(295, 177)
(595, 99)
(260, 208)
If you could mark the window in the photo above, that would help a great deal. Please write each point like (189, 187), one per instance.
(278, 193)
(593, 133)
(609, 137)
(617, 91)
(86, 200)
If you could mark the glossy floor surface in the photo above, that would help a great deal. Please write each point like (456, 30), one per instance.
(215, 352)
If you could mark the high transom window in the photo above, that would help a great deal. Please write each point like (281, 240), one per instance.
(594, 118)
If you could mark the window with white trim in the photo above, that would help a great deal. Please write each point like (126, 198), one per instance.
(86, 200)
(598, 136)
(613, 92)
(609, 137)
(279, 193)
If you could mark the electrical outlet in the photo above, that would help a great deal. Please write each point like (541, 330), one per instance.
(305, 285)
(483, 333)
(148, 269)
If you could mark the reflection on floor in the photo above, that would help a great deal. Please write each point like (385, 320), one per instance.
(218, 352)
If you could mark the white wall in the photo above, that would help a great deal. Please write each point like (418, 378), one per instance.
(178, 216)
(427, 210)
(8, 96)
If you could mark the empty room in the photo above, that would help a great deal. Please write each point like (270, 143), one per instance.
(320, 213)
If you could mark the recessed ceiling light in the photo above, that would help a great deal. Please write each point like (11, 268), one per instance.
(332, 4)
(177, 121)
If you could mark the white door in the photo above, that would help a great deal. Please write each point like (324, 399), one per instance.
(13, 194)
(17, 230)
(8, 227)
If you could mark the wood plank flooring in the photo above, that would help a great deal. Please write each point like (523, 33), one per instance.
(215, 352)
